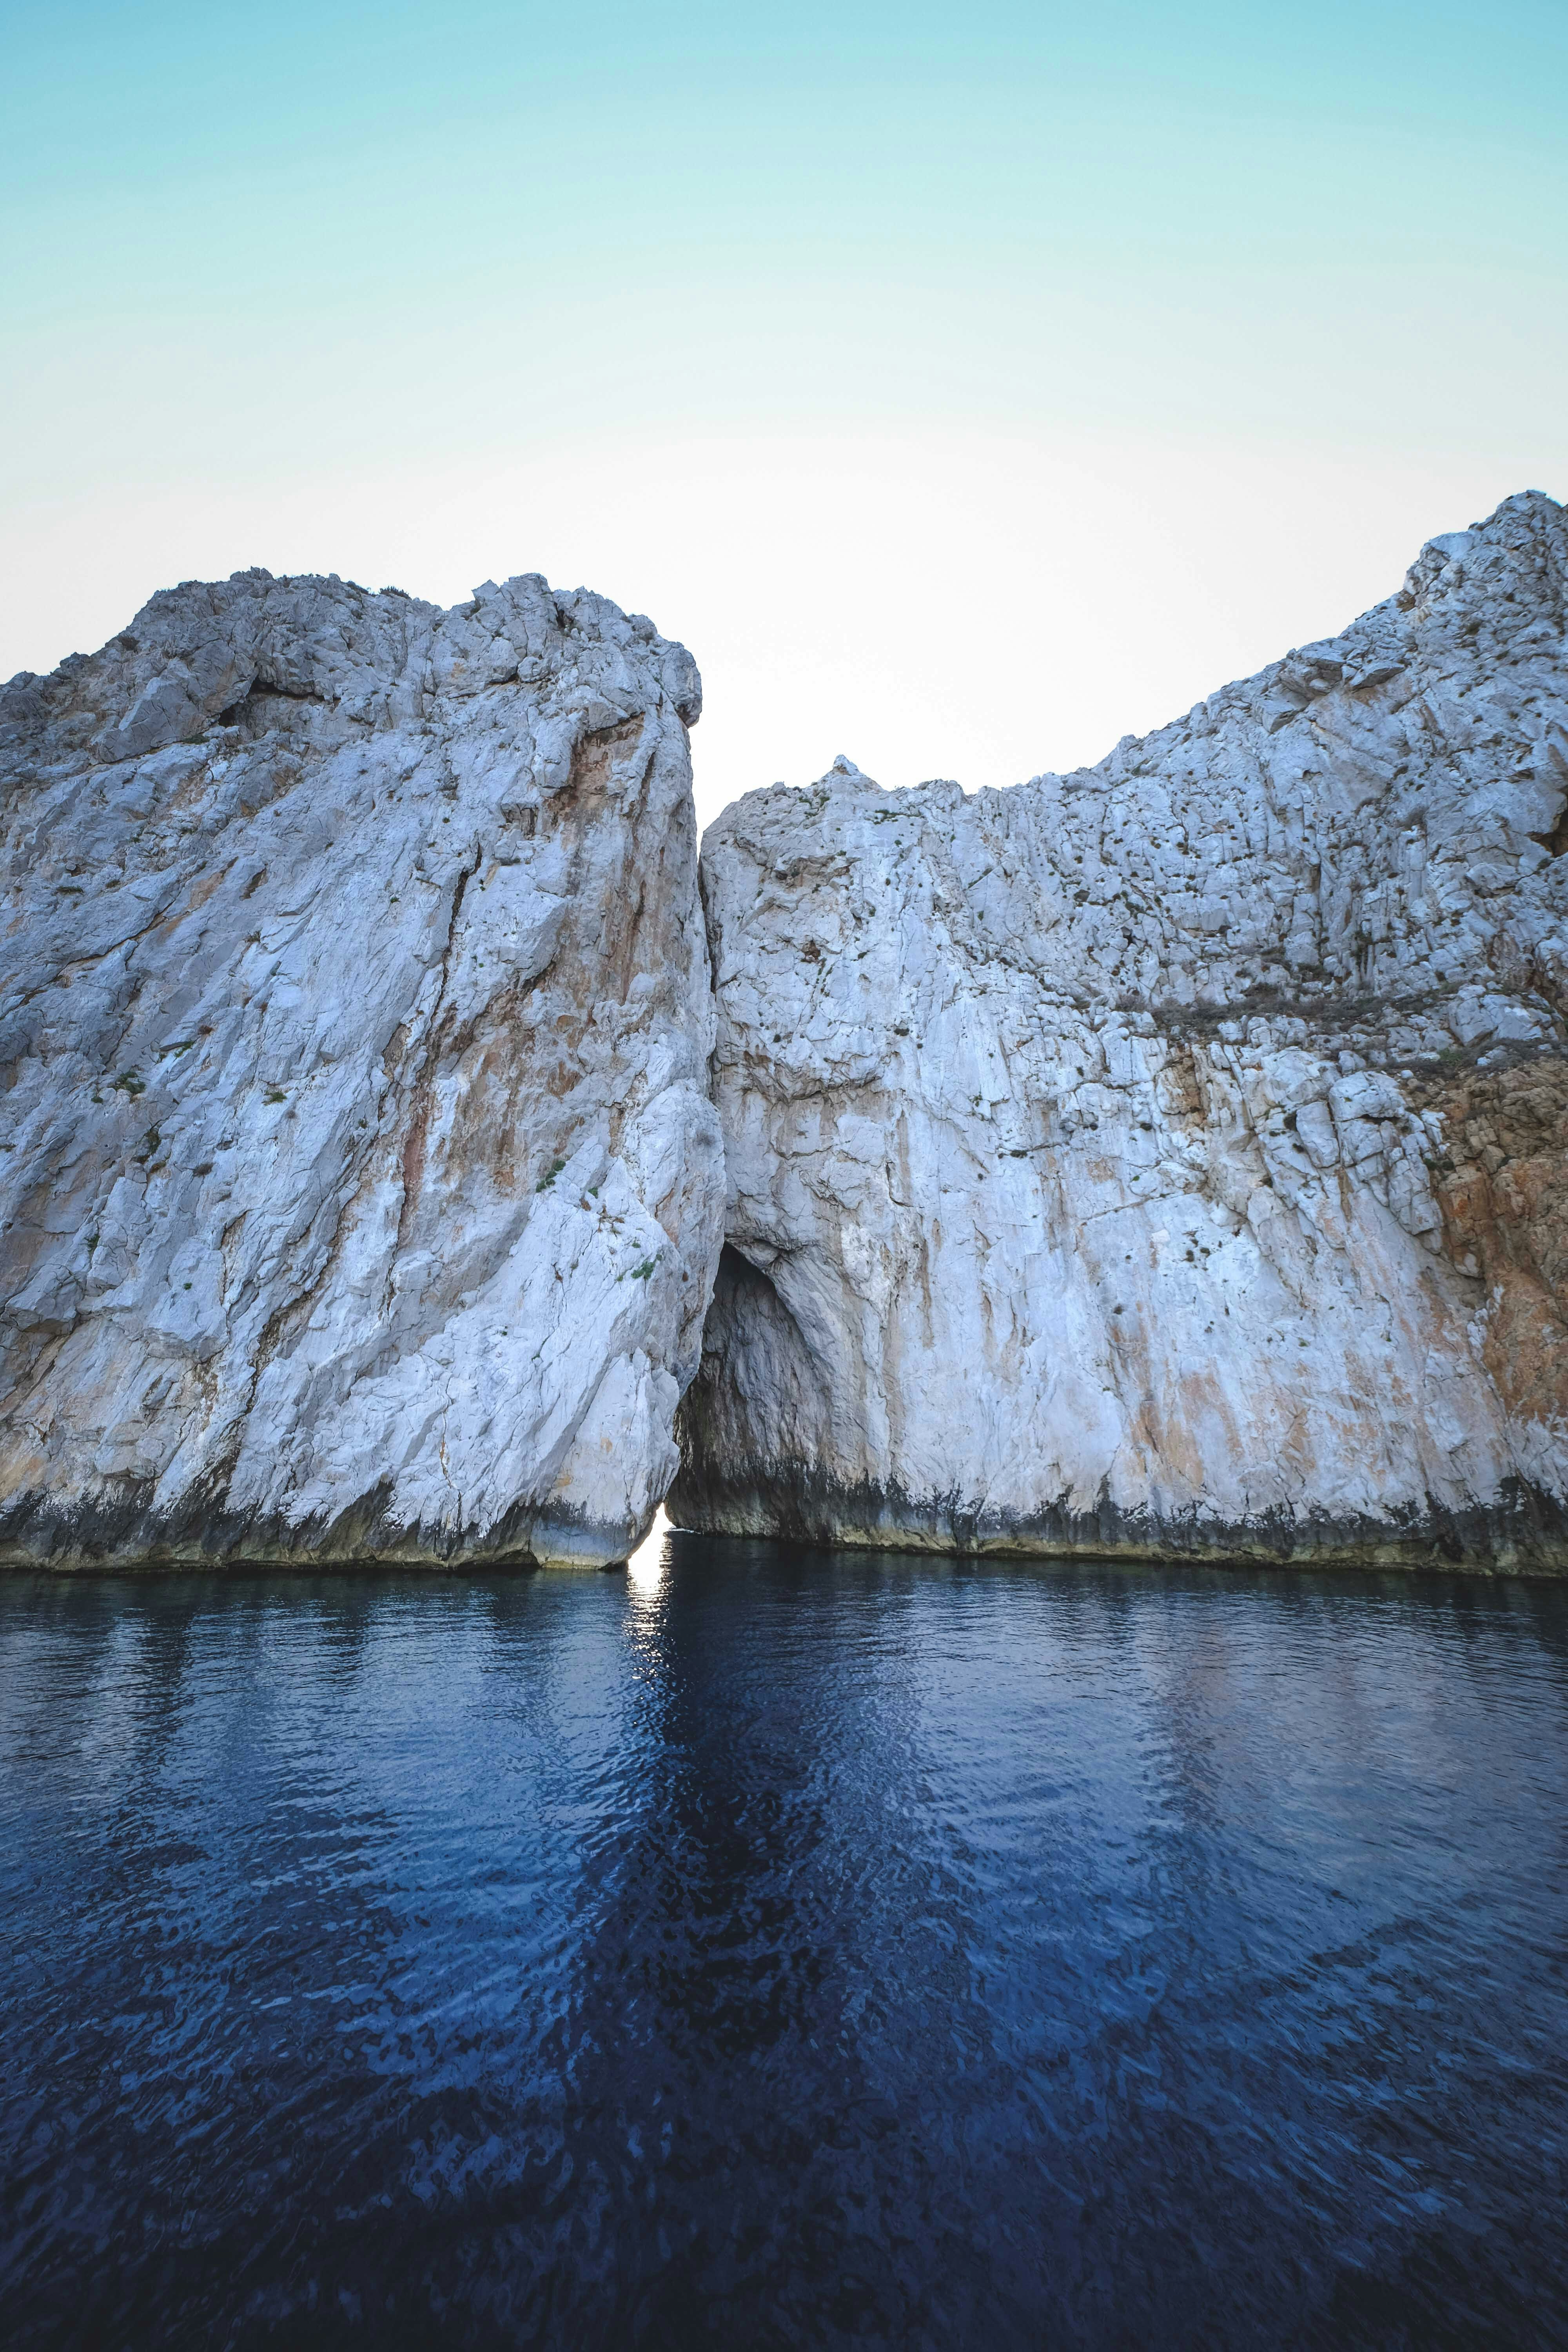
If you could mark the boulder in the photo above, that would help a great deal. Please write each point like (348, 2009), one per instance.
(1167, 1157)
(360, 1181)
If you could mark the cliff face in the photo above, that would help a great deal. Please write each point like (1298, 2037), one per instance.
(1168, 1157)
(1165, 1158)
(361, 1188)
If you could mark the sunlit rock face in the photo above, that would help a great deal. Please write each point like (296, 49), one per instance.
(1168, 1158)
(361, 1188)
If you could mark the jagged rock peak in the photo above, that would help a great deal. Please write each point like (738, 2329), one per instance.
(207, 653)
(361, 1186)
(1169, 1156)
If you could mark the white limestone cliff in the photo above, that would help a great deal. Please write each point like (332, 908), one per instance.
(1168, 1157)
(360, 1184)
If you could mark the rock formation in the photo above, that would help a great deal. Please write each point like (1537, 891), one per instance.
(361, 1186)
(1168, 1157)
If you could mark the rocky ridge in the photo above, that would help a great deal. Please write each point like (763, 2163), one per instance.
(1168, 1157)
(360, 1184)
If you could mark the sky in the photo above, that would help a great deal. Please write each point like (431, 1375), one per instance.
(966, 386)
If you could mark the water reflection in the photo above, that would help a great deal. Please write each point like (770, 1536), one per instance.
(649, 1564)
(768, 1947)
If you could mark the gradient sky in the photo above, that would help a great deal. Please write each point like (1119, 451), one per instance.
(966, 388)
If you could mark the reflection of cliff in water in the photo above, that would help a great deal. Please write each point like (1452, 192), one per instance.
(926, 1951)
(837, 1936)
(747, 1933)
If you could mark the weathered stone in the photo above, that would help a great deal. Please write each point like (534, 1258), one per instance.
(361, 1186)
(1168, 1158)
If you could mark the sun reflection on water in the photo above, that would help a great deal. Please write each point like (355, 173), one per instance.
(647, 1567)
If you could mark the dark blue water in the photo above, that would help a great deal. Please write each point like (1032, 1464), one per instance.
(769, 1948)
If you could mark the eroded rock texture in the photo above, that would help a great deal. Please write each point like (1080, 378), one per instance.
(361, 1185)
(1168, 1157)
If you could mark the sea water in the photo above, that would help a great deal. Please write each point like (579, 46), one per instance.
(764, 1948)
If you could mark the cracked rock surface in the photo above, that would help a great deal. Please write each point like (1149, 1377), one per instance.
(361, 1185)
(1168, 1157)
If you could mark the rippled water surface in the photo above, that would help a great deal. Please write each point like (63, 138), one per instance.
(763, 1947)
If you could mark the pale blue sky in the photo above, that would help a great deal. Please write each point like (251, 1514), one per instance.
(964, 386)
